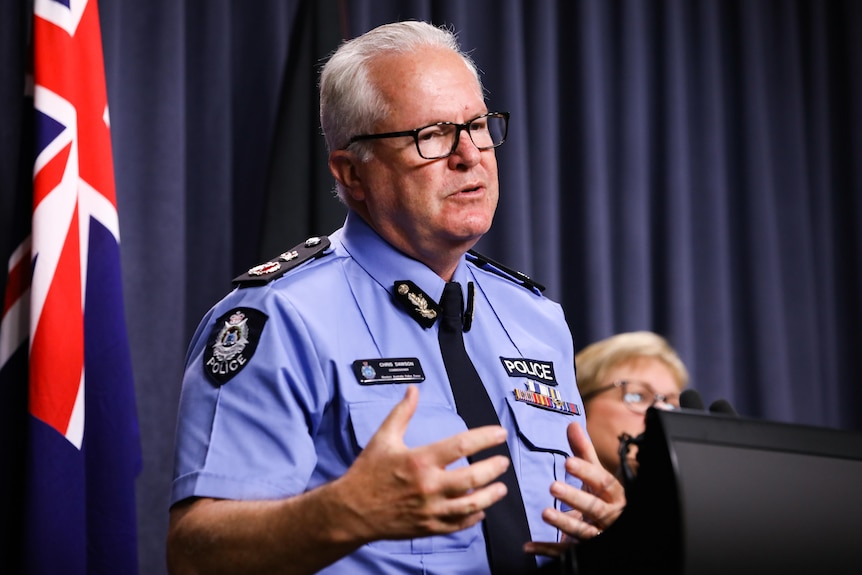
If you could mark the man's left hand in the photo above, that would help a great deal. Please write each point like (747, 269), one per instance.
(595, 506)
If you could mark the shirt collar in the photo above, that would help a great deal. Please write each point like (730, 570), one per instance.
(386, 264)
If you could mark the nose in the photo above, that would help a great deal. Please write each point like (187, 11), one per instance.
(466, 153)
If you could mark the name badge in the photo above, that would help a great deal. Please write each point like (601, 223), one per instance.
(541, 371)
(388, 370)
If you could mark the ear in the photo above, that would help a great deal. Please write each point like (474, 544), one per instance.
(344, 168)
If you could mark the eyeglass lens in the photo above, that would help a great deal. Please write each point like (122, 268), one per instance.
(440, 140)
(640, 397)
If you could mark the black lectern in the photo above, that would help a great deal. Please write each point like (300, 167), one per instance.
(728, 495)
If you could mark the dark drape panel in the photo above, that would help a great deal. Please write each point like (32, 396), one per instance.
(300, 193)
(16, 168)
(689, 167)
(686, 166)
(194, 90)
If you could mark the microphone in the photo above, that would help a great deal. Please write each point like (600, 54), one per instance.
(690, 399)
(722, 406)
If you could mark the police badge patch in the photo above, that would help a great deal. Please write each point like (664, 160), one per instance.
(232, 343)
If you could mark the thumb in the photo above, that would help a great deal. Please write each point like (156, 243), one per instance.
(396, 422)
(581, 445)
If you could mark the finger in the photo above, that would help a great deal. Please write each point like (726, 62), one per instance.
(572, 496)
(546, 548)
(461, 480)
(396, 422)
(597, 480)
(579, 442)
(466, 443)
(570, 523)
(593, 509)
(453, 523)
(474, 502)
(600, 501)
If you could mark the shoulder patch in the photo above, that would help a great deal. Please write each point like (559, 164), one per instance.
(490, 265)
(232, 343)
(261, 274)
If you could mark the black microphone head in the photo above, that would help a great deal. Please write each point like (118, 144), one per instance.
(722, 406)
(690, 399)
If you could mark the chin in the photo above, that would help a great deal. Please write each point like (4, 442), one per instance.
(477, 226)
(466, 231)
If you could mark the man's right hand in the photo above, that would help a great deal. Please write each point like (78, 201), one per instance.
(390, 492)
(395, 492)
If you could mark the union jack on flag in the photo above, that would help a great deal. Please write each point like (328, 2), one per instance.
(63, 332)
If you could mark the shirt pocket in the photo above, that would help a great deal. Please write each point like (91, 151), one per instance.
(541, 453)
(431, 422)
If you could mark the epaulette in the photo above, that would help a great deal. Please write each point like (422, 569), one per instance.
(490, 265)
(264, 273)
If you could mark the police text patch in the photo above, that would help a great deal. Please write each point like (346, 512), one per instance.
(233, 340)
(542, 371)
(388, 370)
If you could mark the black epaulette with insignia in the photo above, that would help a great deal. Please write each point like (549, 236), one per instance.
(418, 304)
(490, 265)
(264, 273)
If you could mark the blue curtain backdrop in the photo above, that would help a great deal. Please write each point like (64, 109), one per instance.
(693, 167)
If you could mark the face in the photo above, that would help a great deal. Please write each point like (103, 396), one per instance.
(433, 210)
(608, 417)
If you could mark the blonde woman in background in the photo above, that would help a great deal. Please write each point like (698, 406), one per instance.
(619, 378)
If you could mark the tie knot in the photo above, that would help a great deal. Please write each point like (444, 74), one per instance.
(452, 303)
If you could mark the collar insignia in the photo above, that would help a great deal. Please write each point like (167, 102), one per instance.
(417, 303)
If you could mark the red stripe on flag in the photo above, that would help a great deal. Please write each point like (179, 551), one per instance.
(57, 350)
(51, 174)
(17, 283)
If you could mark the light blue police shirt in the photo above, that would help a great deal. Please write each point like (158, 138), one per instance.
(296, 407)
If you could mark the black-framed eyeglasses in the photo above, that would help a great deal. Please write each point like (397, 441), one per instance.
(440, 140)
(638, 396)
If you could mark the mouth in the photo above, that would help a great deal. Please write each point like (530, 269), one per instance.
(473, 189)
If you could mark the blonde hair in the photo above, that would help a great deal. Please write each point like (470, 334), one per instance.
(594, 361)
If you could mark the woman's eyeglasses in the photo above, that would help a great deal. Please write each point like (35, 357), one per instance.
(637, 395)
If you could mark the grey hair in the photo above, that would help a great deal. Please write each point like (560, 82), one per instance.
(350, 104)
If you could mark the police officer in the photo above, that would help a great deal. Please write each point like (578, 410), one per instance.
(319, 427)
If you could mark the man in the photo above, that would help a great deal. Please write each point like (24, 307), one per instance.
(318, 431)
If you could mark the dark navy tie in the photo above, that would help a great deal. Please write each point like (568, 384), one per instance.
(505, 525)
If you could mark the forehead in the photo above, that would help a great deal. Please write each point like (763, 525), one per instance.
(426, 86)
(647, 369)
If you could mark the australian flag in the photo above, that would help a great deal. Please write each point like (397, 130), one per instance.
(63, 344)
